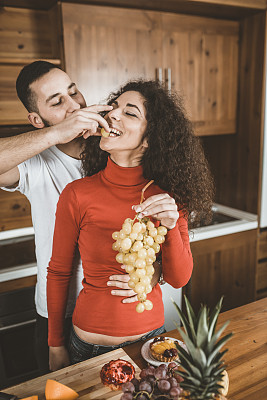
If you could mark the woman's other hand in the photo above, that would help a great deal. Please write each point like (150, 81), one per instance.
(58, 358)
(161, 207)
(121, 282)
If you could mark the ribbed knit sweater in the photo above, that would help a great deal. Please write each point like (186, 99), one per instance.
(88, 212)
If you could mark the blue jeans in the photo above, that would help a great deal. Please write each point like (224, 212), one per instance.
(79, 350)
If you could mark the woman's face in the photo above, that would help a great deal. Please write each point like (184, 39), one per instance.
(128, 123)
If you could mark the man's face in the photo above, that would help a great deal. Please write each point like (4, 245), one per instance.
(57, 97)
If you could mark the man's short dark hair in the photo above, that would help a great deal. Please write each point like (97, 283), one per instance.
(29, 74)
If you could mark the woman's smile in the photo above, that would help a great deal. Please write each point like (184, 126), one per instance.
(115, 132)
(128, 124)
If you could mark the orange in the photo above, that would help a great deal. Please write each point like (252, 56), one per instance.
(31, 398)
(57, 391)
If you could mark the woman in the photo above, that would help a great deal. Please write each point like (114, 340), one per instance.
(150, 139)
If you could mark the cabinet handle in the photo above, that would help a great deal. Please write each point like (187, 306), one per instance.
(168, 79)
(159, 75)
(17, 325)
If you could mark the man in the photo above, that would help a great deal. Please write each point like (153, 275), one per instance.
(41, 163)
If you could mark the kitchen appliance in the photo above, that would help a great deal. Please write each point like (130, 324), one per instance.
(17, 324)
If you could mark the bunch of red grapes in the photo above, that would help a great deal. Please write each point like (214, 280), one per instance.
(159, 383)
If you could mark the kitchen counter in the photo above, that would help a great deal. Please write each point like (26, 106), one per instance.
(246, 360)
(238, 221)
(247, 356)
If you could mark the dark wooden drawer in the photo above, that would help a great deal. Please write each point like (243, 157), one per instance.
(262, 245)
(261, 281)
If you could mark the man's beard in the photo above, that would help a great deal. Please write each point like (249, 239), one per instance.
(46, 123)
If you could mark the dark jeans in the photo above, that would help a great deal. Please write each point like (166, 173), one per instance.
(41, 342)
(79, 350)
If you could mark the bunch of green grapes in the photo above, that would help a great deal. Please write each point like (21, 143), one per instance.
(137, 244)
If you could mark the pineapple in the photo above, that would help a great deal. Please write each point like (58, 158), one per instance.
(203, 370)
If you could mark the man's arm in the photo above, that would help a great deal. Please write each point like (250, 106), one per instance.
(16, 149)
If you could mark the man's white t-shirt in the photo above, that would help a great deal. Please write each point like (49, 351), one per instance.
(42, 179)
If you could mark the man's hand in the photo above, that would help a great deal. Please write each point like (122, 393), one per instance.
(121, 282)
(83, 122)
(161, 207)
(58, 358)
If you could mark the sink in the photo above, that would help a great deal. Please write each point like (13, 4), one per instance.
(225, 220)
(218, 218)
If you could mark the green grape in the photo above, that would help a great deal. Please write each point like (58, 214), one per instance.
(137, 244)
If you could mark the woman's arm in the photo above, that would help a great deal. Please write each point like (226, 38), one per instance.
(177, 260)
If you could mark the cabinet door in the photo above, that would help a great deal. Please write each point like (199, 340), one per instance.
(106, 46)
(224, 266)
(12, 110)
(26, 35)
(201, 55)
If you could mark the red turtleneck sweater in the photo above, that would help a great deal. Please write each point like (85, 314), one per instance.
(88, 212)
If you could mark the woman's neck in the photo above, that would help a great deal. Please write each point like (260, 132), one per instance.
(126, 160)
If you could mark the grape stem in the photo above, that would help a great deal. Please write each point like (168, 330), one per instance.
(143, 198)
(143, 190)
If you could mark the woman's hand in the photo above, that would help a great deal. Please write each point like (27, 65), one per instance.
(121, 282)
(161, 207)
(58, 358)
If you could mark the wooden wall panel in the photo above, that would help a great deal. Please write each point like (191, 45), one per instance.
(25, 34)
(235, 161)
(11, 109)
(105, 46)
(15, 211)
(203, 56)
(232, 9)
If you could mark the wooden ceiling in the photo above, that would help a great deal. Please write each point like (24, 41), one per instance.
(229, 9)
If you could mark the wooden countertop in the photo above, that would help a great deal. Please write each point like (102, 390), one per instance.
(246, 361)
(247, 356)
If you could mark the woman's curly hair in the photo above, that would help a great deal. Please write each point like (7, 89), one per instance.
(174, 158)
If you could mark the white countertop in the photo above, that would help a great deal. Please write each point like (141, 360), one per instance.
(246, 221)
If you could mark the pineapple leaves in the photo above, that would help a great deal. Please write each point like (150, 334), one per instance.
(202, 328)
(213, 318)
(217, 347)
(202, 361)
(196, 353)
(191, 316)
(215, 337)
(183, 320)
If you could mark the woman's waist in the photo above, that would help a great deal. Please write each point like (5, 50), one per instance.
(105, 340)
(105, 314)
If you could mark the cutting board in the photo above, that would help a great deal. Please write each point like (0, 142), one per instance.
(84, 378)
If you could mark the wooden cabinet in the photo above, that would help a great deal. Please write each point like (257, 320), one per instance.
(224, 266)
(196, 56)
(202, 56)
(25, 36)
(261, 273)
